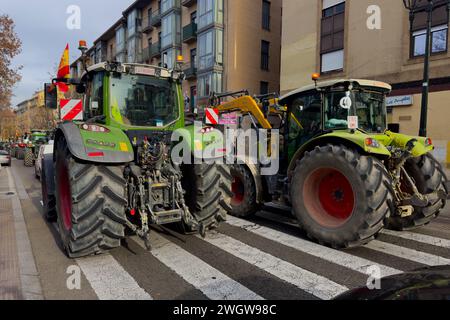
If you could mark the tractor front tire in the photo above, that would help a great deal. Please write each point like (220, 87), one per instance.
(341, 198)
(91, 203)
(48, 200)
(207, 188)
(244, 203)
(28, 160)
(429, 177)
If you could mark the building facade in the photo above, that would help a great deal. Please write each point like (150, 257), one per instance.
(32, 114)
(227, 45)
(375, 40)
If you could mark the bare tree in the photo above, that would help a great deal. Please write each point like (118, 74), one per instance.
(10, 46)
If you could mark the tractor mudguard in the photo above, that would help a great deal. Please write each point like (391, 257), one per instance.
(48, 168)
(208, 145)
(356, 140)
(112, 146)
(422, 145)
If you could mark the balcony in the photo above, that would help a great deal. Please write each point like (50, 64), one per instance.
(155, 19)
(148, 28)
(190, 71)
(188, 3)
(190, 33)
(155, 50)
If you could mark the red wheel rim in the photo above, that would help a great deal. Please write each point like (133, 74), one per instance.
(238, 189)
(65, 197)
(329, 197)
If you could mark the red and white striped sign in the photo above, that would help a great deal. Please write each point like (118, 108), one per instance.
(212, 116)
(71, 109)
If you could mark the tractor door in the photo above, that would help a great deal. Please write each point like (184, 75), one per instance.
(304, 121)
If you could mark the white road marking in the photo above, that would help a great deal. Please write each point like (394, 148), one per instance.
(438, 242)
(213, 283)
(408, 254)
(310, 282)
(331, 255)
(109, 279)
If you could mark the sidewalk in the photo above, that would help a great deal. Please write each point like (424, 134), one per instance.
(10, 286)
(19, 278)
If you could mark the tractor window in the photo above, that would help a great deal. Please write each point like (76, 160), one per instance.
(305, 120)
(371, 111)
(336, 117)
(143, 101)
(95, 96)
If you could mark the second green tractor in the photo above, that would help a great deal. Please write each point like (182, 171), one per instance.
(343, 173)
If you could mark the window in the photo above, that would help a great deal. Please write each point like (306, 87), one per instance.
(209, 12)
(131, 23)
(439, 37)
(265, 47)
(194, 58)
(438, 40)
(120, 39)
(266, 15)
(306, 118)
(194, 17)
(264, 87)
(167, 5)
(169, 57)
(131, 50)
(205, 50)
(332, 35)
(208, 83)
(171, 30)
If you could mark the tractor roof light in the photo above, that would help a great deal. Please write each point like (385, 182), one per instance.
(315, 76)
(82, 45)
(428, 142)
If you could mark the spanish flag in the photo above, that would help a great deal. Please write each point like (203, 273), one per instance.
(64, 70)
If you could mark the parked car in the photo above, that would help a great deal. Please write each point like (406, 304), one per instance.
(5, 158)
(43, 150)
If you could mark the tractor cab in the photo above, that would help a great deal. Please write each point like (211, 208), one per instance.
(333, 106)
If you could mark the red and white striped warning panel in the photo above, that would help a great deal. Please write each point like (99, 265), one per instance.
(71, 109)
(212, 116)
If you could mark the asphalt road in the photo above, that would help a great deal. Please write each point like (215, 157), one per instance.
(266, 258)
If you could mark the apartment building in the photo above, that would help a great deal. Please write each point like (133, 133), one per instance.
(375, 40)
(227, 45)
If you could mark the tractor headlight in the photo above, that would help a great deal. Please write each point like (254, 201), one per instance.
(372, 143)
(94, 128)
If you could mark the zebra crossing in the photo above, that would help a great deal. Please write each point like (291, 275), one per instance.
(244, 260)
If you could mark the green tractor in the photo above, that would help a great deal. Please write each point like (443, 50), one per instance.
(35, 140)
(115, 171)
(344, 174)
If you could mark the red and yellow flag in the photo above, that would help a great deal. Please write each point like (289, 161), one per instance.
(64, 70)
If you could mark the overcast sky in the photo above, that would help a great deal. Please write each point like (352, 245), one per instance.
(41, 25)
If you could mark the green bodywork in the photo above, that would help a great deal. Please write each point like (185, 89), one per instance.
(115, 138)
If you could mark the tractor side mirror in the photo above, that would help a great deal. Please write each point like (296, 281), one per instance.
(51, 96)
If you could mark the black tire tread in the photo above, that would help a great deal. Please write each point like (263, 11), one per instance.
(375, 178)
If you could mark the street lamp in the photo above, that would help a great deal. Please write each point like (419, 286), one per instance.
(413, 7)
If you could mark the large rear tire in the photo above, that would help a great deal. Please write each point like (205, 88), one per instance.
(206, 187)
(20, 154)
(28, 159)
(341, 198)
(243, 203)
(429, 177)
(90, 203)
